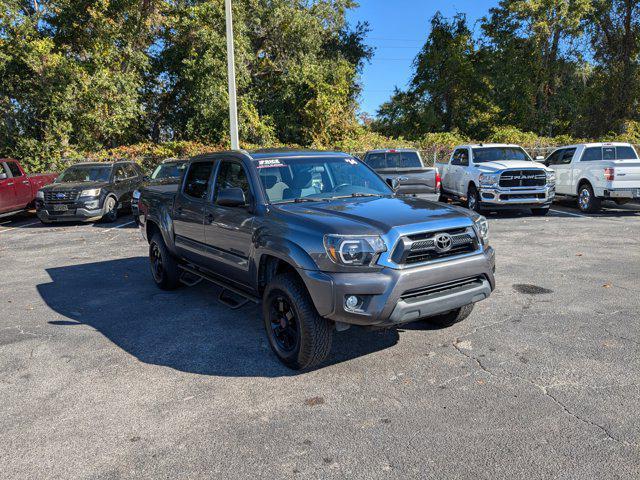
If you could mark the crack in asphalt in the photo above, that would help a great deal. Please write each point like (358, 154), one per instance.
(542, 388)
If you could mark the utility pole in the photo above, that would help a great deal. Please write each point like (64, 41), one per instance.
(231, 77)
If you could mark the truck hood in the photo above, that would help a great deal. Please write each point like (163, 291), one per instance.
(491, 167)
(73, 186)
(377, 214)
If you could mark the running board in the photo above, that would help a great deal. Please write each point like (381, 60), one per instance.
(221, 283)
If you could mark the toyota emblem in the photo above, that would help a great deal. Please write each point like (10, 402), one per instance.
(443, 242)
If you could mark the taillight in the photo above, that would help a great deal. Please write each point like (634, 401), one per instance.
(438, 181)
(609, 174)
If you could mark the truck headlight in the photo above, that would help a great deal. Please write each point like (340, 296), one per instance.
(40, 195)
(482, 227)
(551, 177)
(92, 192)
(489, 178)
(354, 250)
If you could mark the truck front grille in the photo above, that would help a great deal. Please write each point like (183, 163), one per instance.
(424, 247)
(523, 178)
(60, 197)
(417, 294)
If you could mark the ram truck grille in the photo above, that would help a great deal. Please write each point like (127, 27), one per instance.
(424, 247)
(523, 178)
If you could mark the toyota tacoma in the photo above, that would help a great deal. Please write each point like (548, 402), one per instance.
(320, 240)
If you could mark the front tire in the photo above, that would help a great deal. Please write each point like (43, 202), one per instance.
(540, 212)
(110, 210)
(164, 267)
(473, 199)
(452, 317)
(587, 201)
(297, 334)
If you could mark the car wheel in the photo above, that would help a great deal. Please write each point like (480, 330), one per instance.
(473, 199)
(587, 201)
(540, 212)
(164, 267)
(443, 198)
(110, 210)
(297, 334)
(452, 317)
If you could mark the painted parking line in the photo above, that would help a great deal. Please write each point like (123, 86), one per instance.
(568, 213)
(4, 230)
(119, 226)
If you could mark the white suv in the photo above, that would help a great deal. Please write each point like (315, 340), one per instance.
(592, 172)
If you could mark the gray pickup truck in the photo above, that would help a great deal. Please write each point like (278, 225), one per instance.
(406, 168)
(320, 240)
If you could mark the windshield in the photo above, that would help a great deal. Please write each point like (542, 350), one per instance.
(168, 170)
(319, 178)
(497, 154)
(85, 173)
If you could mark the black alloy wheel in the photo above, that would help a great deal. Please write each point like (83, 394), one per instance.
(285, 328)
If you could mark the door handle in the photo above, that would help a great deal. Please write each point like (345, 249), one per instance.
(9, 184)
(209, 218)
(26, 182)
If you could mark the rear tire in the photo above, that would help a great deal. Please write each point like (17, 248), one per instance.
(587, 201)
(540, 212)
(452, 317)
(297, 334)
(164, 267)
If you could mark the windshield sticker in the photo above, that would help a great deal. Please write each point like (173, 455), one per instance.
(271, 163)
(351, 161)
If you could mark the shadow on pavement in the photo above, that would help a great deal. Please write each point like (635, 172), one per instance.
(187, 330)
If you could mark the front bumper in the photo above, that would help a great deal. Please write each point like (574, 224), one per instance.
(75, 212)
(386, 294)
(521, 197)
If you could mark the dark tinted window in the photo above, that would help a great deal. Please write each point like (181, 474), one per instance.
(130, 170)
(119, 173)
(15, 170)
(376, 160)
(567, 156)
(197, 181)
(169, 170)
(232, 175)
(555, 157)
(403, 160)
(497, 154)
(592, 154)
(608, 153)
(626, 153)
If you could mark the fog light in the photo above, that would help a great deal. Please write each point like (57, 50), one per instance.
(352, 302)
(93, 204)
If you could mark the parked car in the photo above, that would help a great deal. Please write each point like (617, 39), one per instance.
(592, 172)
(406, 167)
(168, 172)
(321, 241)
(497, 176)
(17, 189)
(89, 191)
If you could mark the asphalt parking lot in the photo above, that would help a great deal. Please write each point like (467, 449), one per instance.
(104, 376)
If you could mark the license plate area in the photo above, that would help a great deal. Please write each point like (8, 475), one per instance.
(60, 208)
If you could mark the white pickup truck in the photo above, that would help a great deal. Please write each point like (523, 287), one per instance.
(592, 172)
(497, 176)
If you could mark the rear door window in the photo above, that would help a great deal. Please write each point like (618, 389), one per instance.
(14, 169)
(196, 185)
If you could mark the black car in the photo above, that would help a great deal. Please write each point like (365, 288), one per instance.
(89, 191)
(169, 172)
(321, 240)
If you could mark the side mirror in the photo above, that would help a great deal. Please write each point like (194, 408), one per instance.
(3, 176)
(394, 183)
(231, 197)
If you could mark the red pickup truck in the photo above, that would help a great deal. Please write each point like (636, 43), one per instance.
(17, 189)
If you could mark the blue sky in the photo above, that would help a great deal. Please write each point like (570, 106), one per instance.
(399, 28)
